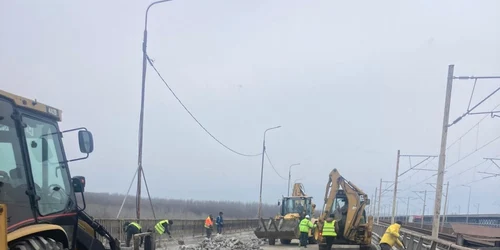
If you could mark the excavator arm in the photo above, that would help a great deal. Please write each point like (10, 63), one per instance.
(298, 190)
(355, 221)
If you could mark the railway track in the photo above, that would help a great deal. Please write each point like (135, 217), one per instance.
(446, 237)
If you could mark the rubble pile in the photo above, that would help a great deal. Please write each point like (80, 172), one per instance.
(220, 242)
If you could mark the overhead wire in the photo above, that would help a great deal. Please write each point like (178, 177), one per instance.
(471, 153)
(272, 166)
(454, 163)
(415, 172)
(468, 169)
(468, 131)
(191, 114)
(486, 177)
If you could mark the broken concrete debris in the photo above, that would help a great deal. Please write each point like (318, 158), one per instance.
(220, 242)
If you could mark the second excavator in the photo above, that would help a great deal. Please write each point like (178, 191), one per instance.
(346, 203)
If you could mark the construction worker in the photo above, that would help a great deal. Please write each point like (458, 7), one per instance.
(220, 223)
(304, 227)
(209, 224)
(391, 237)
(132, 228)
(163, 227)
(329, 231)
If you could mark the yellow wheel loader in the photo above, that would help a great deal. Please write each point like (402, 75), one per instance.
(346, 203)
(38, 205)
(285, 225)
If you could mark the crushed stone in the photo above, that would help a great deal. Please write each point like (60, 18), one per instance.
(221, 242)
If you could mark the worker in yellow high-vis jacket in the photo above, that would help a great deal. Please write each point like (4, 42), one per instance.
(132, 228)
(304, 226)
(329, 232)
(163, 227)
(391, 237)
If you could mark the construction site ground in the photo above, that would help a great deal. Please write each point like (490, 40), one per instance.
(243, 240)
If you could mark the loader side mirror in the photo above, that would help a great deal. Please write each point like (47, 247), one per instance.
(367, 201)
(78, 184)
(279, 203)
(86, 141)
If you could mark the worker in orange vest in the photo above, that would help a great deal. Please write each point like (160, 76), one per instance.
(209, 225)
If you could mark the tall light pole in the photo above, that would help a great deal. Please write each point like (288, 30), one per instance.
(444, 138)
(412, 167)
(408, 211)
(262, 168)
(468, 203)
(141, 119)
(379, 201)
(423, 210)
(442, 154)
(290, 176)
(445, 211)
(395, 190)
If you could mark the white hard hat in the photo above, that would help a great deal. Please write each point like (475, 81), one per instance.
(307, 217)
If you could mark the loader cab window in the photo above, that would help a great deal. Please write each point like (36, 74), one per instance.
(13, 184)
(49, 170)
(296, 205)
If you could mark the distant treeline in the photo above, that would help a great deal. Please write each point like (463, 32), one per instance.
(105, 205)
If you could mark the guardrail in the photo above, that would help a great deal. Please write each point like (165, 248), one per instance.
(179, 227)
(446, 234)
(445, 226)
(417, 241)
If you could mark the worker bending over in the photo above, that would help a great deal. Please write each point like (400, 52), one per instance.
(304, 227)
(163, 227)
(329, 231)
(132, 228)
(209, 225)
(391, 237)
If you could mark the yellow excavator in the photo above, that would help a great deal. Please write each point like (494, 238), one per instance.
(285, 225)
(38, 205)
(346, 203)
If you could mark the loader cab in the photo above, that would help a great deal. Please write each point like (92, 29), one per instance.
(300, 205)
(35, 182)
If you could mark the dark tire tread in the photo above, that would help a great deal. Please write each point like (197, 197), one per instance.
(285, 241)
(37, 243)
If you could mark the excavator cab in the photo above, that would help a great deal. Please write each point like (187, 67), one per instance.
(38, 206)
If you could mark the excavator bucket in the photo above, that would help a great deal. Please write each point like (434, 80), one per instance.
(283, 229)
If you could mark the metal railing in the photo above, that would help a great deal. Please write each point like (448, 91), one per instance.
(179, 228)
(447, 224)
(417, 241)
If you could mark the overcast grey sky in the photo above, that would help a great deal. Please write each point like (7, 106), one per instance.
(350, 82)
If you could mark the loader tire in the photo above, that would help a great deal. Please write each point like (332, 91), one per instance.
(37, 243)
(272, 242)
(322, 246)
(285, 241)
